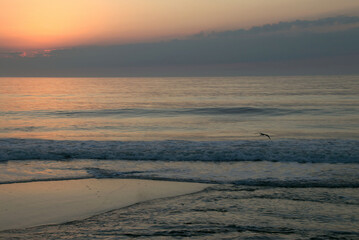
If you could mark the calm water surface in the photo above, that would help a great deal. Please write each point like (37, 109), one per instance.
(179, 108)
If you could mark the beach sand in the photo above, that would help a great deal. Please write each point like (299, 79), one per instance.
(52, 202)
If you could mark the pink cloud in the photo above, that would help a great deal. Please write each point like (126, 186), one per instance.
(27, 53)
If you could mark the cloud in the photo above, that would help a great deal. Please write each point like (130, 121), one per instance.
(6, 54)
(27, 54)
(299, 26)
(255, 49)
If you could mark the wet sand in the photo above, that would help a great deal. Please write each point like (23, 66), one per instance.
(52, 202)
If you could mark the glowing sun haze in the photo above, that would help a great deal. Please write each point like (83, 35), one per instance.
(41, 24)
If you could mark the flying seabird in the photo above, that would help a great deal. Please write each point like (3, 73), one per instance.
(266, 135)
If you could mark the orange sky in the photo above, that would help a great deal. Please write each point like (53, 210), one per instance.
(41, 24)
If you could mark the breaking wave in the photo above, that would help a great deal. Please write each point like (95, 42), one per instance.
(289, 150)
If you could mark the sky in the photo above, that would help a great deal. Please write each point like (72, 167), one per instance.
(178, 37)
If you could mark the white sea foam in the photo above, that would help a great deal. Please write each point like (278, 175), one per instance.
(317, 151)
(250, 173)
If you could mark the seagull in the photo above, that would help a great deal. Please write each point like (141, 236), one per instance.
(266, 135)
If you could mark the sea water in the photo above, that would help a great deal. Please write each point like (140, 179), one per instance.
(302, 183)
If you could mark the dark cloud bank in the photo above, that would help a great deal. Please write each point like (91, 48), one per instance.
(324, 46)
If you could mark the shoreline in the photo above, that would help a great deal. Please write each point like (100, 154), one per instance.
(31, 204)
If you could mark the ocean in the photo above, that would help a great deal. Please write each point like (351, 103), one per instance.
(301, 184)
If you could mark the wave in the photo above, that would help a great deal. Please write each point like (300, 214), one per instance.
(135, 112)
(265, 182)
(286, 150)
(259, 182)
